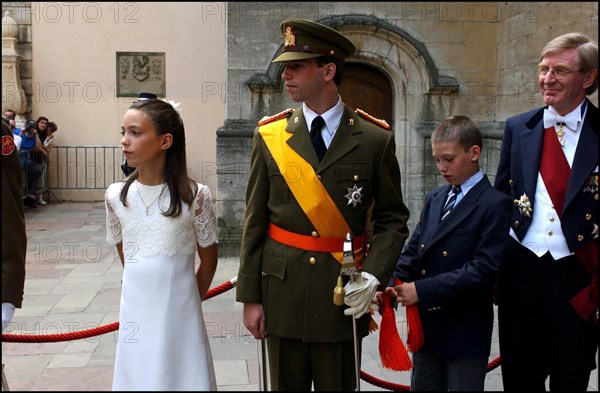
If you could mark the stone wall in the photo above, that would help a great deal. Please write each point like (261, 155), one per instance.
(21, 12)
(476, 59)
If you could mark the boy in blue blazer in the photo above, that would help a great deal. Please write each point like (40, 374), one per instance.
(448, 268)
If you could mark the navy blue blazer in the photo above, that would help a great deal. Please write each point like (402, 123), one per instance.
(454, 264)
(520, 163)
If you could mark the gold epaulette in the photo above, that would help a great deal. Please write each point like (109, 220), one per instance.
(379, 122)
(280, 115)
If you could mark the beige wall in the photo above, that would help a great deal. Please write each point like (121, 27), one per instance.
(73, 62)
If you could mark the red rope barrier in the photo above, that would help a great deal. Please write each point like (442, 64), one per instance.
(46, 338)
(226, 286)
(30, 338)
(381, 383)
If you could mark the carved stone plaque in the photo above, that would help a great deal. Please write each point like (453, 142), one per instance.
(140, 72)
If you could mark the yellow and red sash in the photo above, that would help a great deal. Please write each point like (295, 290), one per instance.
(305, 185)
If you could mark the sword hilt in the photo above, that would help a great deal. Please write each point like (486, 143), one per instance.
(348, 265)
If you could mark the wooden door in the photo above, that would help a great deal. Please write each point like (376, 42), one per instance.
(367, 88)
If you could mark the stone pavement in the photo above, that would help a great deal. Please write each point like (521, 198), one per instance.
(73, 283)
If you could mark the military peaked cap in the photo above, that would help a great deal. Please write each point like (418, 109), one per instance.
(305, 39)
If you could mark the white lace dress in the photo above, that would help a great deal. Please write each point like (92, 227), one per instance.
(162, 343)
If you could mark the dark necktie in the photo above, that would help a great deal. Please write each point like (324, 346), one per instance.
(316, 138)
(451, 201)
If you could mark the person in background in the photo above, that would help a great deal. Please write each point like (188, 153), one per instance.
(15, 131)
(47, 146)
(14, 235)
(295, 226)
(31, 147)
(41, 125)
(48, 143)
(548, 284)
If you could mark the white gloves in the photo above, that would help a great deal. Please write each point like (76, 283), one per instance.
(360, 292)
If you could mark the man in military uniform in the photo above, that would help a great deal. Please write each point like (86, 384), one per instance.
(306, 191)
(14, 238)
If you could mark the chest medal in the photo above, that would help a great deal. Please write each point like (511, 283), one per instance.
(354, 196)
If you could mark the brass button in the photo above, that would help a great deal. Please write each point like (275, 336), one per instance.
(549, 233)
(517, 224)
(588, 216)
(422, 246)
(355, 177)
(580, 238)
(596, 197)
(312, 260)
(511, 182)
(445, 253)
(264, 274)
(423, 272)
(551, 219)
(314, 234)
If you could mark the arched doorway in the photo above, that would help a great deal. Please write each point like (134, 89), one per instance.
(367, 88)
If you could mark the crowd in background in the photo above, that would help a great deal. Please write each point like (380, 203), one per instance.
(34, 142)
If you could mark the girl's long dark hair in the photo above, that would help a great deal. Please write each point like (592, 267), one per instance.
(166, 120)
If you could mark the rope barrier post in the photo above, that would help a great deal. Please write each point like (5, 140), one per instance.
(4, 381)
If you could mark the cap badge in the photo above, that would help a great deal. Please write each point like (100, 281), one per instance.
(354, 196)
(289, 37)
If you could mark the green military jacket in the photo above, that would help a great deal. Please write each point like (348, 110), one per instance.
(295, 290)
(14, 237)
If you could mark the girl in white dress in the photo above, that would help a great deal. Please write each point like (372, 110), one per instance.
(158, 218)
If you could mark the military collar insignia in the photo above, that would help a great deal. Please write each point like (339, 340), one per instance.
(8, 145)
(524, 205)
(354, 196)
(289, 37)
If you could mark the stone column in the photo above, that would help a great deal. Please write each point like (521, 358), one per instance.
(13, 95)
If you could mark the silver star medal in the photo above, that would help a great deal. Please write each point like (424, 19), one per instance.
(354, 196)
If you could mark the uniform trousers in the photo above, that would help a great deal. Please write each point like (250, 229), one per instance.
(436, 374)
(294, 365)
(540, 333)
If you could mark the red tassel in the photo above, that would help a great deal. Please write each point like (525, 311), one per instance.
(415, 337)
(391, 348)
(415, 330)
